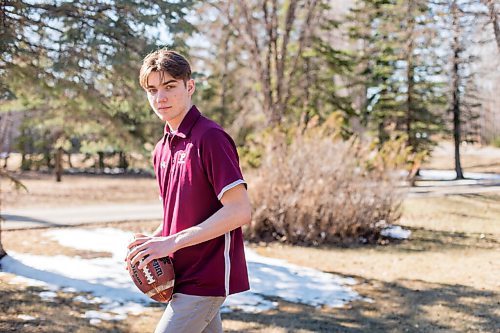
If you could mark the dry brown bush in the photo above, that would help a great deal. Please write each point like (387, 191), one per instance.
(317, 189)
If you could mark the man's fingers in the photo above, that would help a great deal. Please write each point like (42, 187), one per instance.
(136, 258)
(138, 241)
(133, 252)
(144, 262)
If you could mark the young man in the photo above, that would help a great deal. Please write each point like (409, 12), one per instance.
(204, 197)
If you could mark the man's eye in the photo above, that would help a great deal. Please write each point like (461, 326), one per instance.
(151, 91)
(169, 87)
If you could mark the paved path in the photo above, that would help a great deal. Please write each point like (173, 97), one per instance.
(451, 187)
(74, 215)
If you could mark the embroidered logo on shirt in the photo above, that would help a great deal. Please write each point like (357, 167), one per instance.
(163, 164)
(182, 158)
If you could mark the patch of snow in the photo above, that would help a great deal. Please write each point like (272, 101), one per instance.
(426, 174)
(91, 300)
(123, 308)
(248, 302)
(95, 321)
(47, 296)
(99, 315)
(276, 277)
(396, 232)
(25, 317)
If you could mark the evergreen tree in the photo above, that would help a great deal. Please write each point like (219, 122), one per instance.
(78, 63)
(422, 86)
(399, 76)
(371, 29)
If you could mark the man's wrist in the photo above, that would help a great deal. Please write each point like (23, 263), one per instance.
(180, 240)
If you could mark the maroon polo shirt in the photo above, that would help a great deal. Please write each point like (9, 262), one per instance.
(194, 167)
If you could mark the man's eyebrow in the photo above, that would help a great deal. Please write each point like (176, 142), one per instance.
(163, 84)
(168, 82)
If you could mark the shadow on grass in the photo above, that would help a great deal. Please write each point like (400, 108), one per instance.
(19, 218)
(404, 306)
(62, 314)
(426, 240)
(485, 197)
(429, 240)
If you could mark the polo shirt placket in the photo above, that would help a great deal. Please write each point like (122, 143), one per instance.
(194, 167)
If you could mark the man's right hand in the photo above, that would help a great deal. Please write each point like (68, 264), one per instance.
(136, 235)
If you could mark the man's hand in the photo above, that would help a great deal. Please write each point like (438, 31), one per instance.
(146, 248)
(136, 235)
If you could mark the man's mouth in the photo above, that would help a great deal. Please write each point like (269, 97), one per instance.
(164, 107)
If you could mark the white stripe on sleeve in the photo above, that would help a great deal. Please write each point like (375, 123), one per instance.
(227, 260)
(230, 186)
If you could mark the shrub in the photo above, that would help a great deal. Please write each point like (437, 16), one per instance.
(318, 189)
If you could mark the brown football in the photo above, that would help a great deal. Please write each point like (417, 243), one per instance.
(156, 280)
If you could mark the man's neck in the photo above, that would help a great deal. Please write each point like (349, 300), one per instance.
(174, 126)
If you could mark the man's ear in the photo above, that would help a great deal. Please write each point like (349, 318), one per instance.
(191, 86)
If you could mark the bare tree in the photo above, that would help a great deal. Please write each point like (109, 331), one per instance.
(275, 35)
(493, 19)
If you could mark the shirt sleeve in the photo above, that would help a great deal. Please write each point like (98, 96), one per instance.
(220, 161)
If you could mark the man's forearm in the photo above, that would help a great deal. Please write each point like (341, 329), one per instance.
(224, 220)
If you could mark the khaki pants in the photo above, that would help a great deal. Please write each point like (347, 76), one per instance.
(191, 314)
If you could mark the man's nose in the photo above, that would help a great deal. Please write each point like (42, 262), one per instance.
(161, 96)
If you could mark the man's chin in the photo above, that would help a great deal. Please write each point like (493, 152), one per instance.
(162, 116)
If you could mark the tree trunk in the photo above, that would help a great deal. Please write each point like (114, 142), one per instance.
(456, 89)
(123, 161)
(25, 162)
(494, 21)
(410, 75)
(59, 167)
(69, 159)
(47, 158)
(225, 89)
(2, 251)
(100, 164)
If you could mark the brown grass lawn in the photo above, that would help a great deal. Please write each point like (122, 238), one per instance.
(43, 190)
(442, 280)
